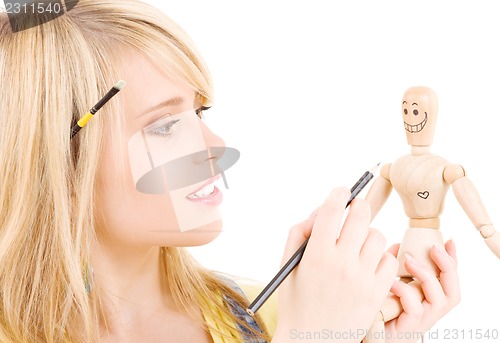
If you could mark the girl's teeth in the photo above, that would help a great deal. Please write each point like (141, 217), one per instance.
(205, 191)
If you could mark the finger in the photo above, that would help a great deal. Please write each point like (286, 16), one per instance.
(431, 287)
(387, 268)
(328, 220)
(413, 310)
(443, 260)
(314, 214)
(451, 249)
(356, 227)
(372, 250)
(449, 273)
(393, 250)
(297, 236)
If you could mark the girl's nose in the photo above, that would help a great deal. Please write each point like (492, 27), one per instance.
(211, 139)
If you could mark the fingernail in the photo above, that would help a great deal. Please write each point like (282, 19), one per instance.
(413, 260)
(453, 243)
(440, 249)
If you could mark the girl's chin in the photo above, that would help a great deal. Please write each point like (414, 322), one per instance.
(210, 232)
(201, 235)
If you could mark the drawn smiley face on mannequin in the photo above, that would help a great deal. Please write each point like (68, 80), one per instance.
(419, 110)
(165, 194)
(414, 119)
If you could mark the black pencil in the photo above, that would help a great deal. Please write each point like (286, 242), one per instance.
(84, 120)
(297, 256)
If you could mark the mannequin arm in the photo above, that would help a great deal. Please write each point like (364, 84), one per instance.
(469, 199)
(380, 190)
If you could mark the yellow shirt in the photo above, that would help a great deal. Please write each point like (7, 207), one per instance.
(268, 312)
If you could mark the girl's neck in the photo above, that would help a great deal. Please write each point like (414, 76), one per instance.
(129, 281)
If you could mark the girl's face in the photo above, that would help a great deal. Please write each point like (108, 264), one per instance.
(163, 194)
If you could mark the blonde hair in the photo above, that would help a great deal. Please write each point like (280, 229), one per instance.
(50, 75)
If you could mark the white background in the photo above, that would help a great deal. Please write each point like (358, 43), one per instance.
(310, 93)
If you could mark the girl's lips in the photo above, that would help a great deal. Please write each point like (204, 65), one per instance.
(209, 181)
(207, 194)
(213, 199)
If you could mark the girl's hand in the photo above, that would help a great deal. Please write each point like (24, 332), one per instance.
(441, 295)
(336, 291)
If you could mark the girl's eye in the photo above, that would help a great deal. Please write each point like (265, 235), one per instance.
(164, 130)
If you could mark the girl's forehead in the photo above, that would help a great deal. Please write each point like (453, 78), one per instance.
(150, 90)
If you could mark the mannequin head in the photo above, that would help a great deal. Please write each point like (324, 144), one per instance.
(419, 110)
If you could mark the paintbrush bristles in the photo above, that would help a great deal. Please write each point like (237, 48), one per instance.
(116, 88)
(120, 84)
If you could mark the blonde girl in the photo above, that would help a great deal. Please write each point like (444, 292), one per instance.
(86, 257)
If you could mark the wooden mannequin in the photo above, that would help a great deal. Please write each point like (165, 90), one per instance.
(422, 180)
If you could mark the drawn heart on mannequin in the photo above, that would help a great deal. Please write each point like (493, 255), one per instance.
(423, 195)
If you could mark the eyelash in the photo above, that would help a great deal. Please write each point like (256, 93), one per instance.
(165, 130)
(199, 111)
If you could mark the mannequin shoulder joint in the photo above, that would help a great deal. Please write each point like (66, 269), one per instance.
(453, 172)
(385, 171)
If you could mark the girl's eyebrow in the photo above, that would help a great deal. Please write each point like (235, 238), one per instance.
(170, 102)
